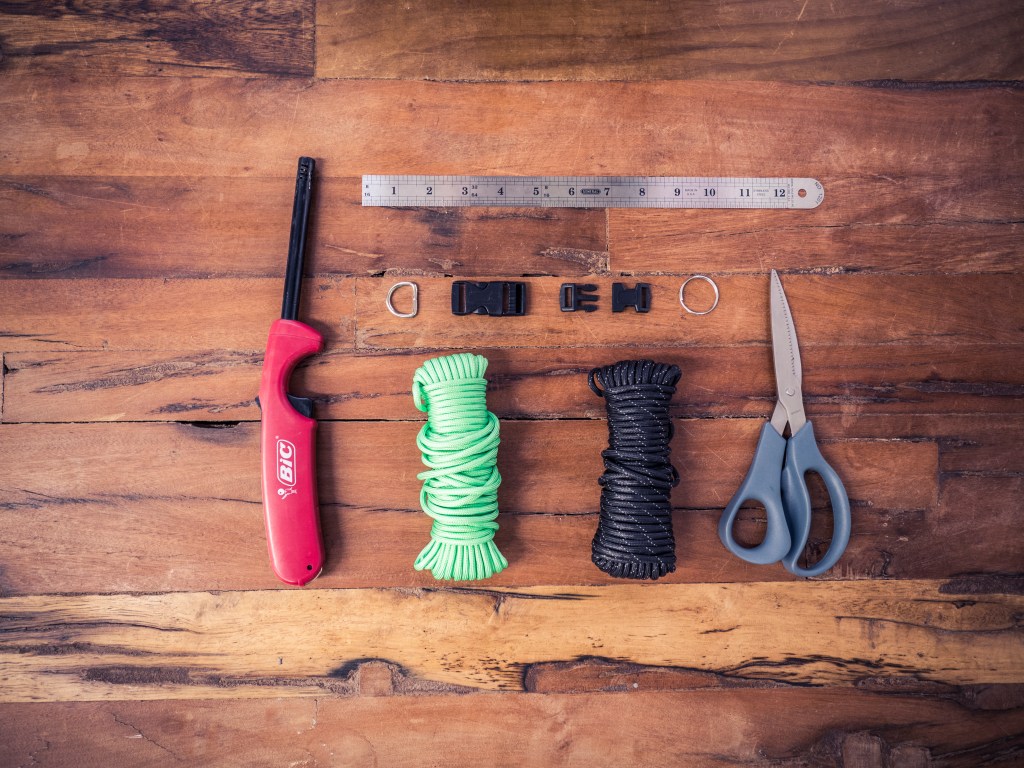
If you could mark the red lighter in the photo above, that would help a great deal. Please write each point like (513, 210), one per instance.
(288, 429)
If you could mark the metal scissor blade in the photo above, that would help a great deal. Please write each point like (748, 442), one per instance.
(786, 353)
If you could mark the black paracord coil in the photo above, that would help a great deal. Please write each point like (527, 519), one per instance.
(634, 535)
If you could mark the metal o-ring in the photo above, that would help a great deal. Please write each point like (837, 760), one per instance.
(682, 294)
(415, 300)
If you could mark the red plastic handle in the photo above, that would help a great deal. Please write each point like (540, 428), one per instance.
(288, 448)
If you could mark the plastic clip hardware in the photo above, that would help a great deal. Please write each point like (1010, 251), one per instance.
(497, 298)
(572, 297)
(639, 297)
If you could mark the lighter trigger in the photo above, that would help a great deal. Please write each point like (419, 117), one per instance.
(303, 405)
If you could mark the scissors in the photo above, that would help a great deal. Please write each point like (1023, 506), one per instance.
(776, 477)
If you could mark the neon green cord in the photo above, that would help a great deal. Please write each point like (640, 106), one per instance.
(459, 443)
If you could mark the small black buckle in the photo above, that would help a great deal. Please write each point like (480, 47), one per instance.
(496, 298)
(639, 297)
(572, 297)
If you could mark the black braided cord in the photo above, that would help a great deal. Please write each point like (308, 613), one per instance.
(634, 535)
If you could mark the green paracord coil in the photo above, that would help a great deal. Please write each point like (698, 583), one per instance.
(459, 443)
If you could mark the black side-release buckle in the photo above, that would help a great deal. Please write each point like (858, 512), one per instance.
(572, 297)
(497, 298)
(639, 297)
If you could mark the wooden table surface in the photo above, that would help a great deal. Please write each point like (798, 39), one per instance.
(147, 159)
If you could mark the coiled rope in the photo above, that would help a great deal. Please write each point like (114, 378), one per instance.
(459, 443)
(634, 535)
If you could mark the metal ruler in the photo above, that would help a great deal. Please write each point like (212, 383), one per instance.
(592, 191)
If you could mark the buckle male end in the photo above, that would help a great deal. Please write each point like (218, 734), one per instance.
(574, 296)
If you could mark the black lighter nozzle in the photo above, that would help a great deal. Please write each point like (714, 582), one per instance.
(297, 242)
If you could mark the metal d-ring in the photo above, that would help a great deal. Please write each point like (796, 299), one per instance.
(415, 300)
(682, 294)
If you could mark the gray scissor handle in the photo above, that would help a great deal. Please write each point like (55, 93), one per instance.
(762, 483)
(803, 456)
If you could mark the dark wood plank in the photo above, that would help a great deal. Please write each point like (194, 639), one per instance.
(548, 466)
(606, 40)
(203, 645)
(133, 227)
(738, 727)
(875, 309)
(191, 314)
(968, 444)
(889, 225)
(234, 314)
(880, 223)
(139, 501)
(155, 544)
(191, 127)
(238, 226)
(228, 37)
(544, 383)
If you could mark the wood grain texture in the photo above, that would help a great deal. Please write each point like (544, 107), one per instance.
(880, 310)
(151, 504)
(968, 445)
(193, 315)
(65, 228)
(197, 645)
(537, 460)
(736, 727)
(918, 224)
(147, 152)
(606, 40)
(251, 127)
(126, 543)
(524, 383)
(189, 314)
(168, 37)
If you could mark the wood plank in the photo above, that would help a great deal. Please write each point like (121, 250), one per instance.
(592, 674)
(663, 243)
(135, 386)
(155, 544)
(879, 223)
(876, 309)
(229, 37)
(193, 314)
(240, 226)
(980, 514)
(871, 224)
(968, 445)
(713, 728)
(243, 644)
(170, 507)
(187, 314)
(605, 40)
(192, 127)
(548, 466)
(66, 225)
(548, 383)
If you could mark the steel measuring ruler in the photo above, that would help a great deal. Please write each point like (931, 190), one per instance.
(592, 191)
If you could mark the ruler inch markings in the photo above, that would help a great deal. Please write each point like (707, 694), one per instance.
(447, 191)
